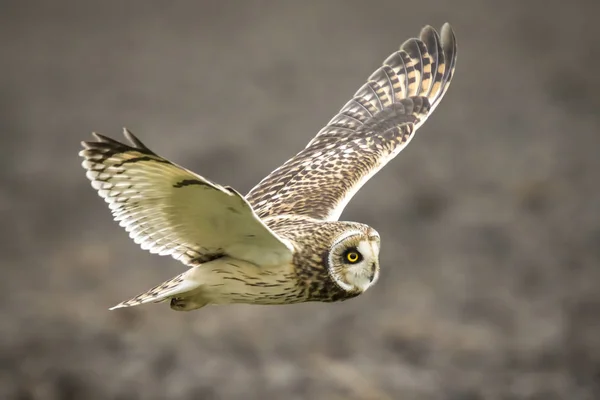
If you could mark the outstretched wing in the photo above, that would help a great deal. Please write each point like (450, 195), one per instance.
(169, 210)
(369, 131)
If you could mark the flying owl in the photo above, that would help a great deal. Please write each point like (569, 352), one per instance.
(282, 243)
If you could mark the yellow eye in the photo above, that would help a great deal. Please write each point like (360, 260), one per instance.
(353, 256)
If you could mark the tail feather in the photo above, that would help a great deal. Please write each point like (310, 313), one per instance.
(166, 290)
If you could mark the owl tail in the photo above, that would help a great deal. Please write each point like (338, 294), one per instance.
(175, 289)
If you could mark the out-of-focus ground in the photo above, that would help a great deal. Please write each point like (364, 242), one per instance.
(490, 220)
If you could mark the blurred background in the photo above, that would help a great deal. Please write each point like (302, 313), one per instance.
(490, 220)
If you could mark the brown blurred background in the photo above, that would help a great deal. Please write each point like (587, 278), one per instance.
(490, 220)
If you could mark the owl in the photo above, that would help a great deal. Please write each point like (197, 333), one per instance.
(283, 242)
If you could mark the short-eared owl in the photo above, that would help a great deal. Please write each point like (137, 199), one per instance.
(282, 243)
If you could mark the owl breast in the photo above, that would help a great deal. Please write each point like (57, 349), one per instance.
(228, 280)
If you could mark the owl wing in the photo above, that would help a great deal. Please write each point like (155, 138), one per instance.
(169, 210)
(369, 131)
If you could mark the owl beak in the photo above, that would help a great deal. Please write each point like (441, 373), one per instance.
(372, 271)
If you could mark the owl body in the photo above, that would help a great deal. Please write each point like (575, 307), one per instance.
(227, 280)
(282, 243)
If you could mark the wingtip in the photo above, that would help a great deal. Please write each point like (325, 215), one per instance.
(134, 140)
(447, 34)
(427, 29)
(128, 135)
(450, 49)
(101, 138)
(446, 26)
(88, 145)
(120, 305)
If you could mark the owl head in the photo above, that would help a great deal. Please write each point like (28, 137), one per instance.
(353, 258)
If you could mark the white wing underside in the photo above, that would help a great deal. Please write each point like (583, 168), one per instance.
(169, 210)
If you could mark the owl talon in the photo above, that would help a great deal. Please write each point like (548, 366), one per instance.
(177, 303)
(185, 304)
